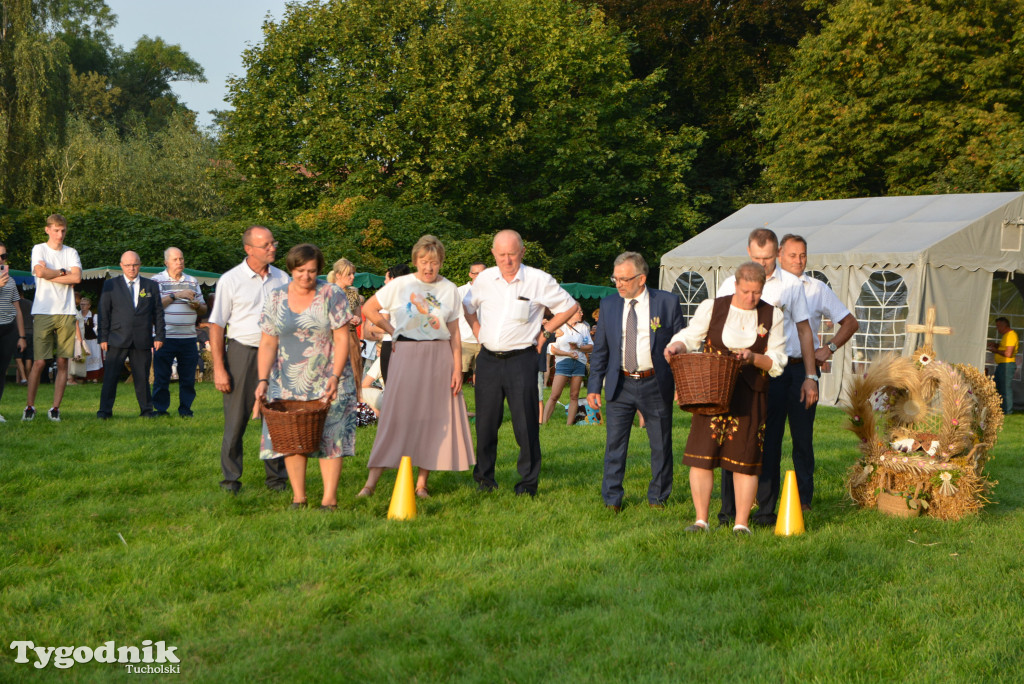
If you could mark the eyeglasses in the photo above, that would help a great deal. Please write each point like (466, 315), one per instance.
(623, 281)
(3, 256)
(267, 246)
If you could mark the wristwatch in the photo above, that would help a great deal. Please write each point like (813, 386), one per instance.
(63, 271)
(547, 334)
(832, 347)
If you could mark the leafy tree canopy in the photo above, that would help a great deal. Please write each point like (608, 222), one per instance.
(500, 113)
(716, 57)
(900, 97)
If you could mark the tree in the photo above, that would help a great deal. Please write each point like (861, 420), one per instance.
(500, 113)
(716, 56)
(32, 66)
(896, 97)
(166, 173)
(144, 75)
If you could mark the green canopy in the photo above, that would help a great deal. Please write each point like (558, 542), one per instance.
(584, 291)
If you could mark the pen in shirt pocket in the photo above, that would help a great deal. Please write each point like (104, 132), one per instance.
(522, 299)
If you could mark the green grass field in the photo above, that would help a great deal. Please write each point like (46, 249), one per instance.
(480, 588)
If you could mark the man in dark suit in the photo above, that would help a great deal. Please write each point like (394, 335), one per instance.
(130, 312)
(628, 359)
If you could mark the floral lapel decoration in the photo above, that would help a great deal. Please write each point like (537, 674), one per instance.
(761, 331)
(655, 323)
(143, 293)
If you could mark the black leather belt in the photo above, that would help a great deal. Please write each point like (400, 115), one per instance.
(509, 354)
(794, 360)
(639, 375)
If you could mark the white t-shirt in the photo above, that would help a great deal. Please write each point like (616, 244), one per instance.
(580, 335)
(421, 311)
(54, 298)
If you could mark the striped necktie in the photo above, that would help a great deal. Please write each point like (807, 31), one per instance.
(630, 350)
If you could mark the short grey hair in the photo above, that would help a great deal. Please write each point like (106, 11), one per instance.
(167, 253)
(639, 263)
(751, 272)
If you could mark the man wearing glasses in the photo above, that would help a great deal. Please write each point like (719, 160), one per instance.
(629, 362)
(237, 307)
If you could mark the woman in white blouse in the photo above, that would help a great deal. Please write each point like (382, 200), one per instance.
(750, 329)
(570, 351)
(423, 413)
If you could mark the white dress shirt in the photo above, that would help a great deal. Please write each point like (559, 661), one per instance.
(511, 313)
(739, 332)
(821, 301)
(784, 290)
(643, 331)
(133, 286)
(239, 301)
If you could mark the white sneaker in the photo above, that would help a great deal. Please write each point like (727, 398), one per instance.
(54, 415)
(2, 419)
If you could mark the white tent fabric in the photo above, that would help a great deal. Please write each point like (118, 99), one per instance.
(945, 248)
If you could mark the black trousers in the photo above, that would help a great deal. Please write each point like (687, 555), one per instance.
(8, 346)
(241, 366)
(514, 379)
(141, 360)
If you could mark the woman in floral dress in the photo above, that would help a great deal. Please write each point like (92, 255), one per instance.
(303, 355)
(750, 329)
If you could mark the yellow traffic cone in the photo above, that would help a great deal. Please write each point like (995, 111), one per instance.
(403, 499)
(791, 516)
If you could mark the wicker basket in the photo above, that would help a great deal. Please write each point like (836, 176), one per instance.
(704, 382)
(295, 426)
(890, 504)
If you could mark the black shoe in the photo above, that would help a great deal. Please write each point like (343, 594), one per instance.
(660, 505)
(149, 414)
(328, 508)
(159, 414)
(230, 487)
(296, 505)
(102, 416)
(486, 487)
(278, 486)
(614, 509)
(185, 414)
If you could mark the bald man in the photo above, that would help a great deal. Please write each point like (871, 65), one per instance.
(130, 312)
(183, 305)
(505, 308)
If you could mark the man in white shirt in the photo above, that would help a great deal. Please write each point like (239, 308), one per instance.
(783, 394)
(470, 345)
(238, 303)
(505, 308)
(57, 269)
(783, 290)
(183, 305)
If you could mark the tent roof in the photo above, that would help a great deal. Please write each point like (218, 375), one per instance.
(960, 231)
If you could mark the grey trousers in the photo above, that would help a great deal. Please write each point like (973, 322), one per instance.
(241, 366)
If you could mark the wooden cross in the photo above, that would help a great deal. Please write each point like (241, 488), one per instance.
(929, 328)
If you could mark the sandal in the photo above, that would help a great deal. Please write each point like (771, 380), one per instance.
(364, 493)
(422, 493)
(296, 505)
(327, 508)
(699, 526)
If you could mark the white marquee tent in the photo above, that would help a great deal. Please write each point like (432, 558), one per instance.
(889, 259)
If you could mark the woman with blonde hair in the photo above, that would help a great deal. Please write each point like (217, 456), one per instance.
(343, 274)
(423, 414)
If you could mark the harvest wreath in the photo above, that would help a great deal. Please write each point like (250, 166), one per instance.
(926, 429)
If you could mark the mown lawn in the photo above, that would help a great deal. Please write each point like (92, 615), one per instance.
(480, 587)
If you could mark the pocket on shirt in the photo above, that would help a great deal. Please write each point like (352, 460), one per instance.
(520, 311)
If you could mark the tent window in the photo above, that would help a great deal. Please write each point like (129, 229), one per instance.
(691, 290)
(827, 328)
(882, 312)
(1006, 302)
(1010, 239)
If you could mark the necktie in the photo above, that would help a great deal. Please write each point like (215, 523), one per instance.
(131, 291)
(630, 349)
